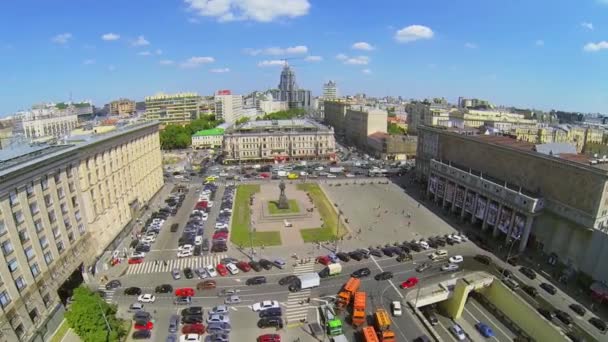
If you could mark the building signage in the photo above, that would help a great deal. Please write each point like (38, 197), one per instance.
(505, 220)
(481, 208)
(449, 192)
(433, 184)
(469, 202)
(518, 227)
(459, 197)
(440, 187)
(492, 212)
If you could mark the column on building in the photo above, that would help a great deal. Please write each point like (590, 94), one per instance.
(526, 234)
(497, 220)
(453, 208)
(474, 209)
(511, 224)
(484, 223)
(464, 203)
(445, 197)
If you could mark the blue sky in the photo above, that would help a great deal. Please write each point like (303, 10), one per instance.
(540, 53)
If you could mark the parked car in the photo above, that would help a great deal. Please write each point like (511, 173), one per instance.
(255, 266)
(362, 272)
(243, 266)
(141, 334)
(578, 309)
(449, 267)
(267, 304)
(234, 299)
(188, 273)
(549, 288)
(196, 328)
(206, 285)
(146, 298)
(268, 322)
(287, 280)
(548, 314)
(132, 291)
(193, 310)
(256, 280)
(343, 257)
(165, 288)
(530, 290)
(271, 312)
(384, 275)
(563, 316)
(598, 324)
(528, 272)
(113, 284)
(423, 267)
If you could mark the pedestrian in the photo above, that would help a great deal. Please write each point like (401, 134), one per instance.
(408, 223)
(165, 262)
(155, 262)
(418, 205)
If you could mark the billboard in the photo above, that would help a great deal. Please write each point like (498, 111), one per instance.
(440, 187)
(449, 192)
(481, 208)
(469, 202)
(492, 212)
(459, 197)
(518, 226)
(505, 220)
(433, 184)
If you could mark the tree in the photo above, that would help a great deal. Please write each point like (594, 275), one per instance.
(86, 317)
(176, 136)
(393, 128)
(242, 120)
(285, 114)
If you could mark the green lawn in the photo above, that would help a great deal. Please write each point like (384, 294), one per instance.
(61, 331)
(327, 212)
(241, 218)
(274, 209)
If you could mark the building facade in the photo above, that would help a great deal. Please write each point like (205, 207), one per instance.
(60, 206)
(502, 186)
(278, 140)
(334, 114)
(208, 138)
(122, 107)
(430, 113)
(177, 109)
(228, 107)
(330, 90)
(290, 92)
(47, 121)
(361, 122)
(385, 146)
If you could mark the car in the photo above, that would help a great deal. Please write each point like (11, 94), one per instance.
(430, 316)
(549, 288)
(133, 291)
(197, 250)
(268, 322)
(457, 331)
(191, 319)
(578, 309)
(232, 269)
(396, 308)
(355, 256)
(267, 304)
(269, 338)
(193, 310)
(136, 254)
(184, 292)
(409, 283)
(217, 337)
(287, 280)
(175, 274)
(182, 301)
(228, 260)
(165, 288)
(217, 318)
(174, 227)
(272, 312)
(598, 324)
(449, 267)
(188, 273)
(280, 263)
(404, 257)
(141, 334)
(142, 316)
(256, 280)
(343, 257)
(146, 298)
(324, 260)
(548, 314)
(243, 266)
(423, 267)
(195, 328)
(189, 338)
(228, 292)
(384, 275)
(211, 271)
(234, 299)
(206, 285)
(205, 245)
(221, 269)
(113, 284)
(185, 253)
(255, 266)
(266, 264)
(439, 254)
(218, 328)
(136, 307)
(362, 272)
(171, 338)
(563, 316)
(528, 272)
(530, 290)
(375, 252)
(456, 259)
(198, 240)
(173, 323)
(484, 330)
(219, 310)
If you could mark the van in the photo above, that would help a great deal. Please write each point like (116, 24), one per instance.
(439, 254)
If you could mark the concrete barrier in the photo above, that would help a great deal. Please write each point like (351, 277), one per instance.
(425, 322)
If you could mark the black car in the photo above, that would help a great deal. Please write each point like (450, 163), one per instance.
(404, 257)
(429, 314)
(432, 243)
(528, 272)
(228, 260)
(388, 251)
(563, 316)
(505, 272)
(141, 335)
(218, 248)
(362, 272)
(133, 291)
(598, 323)
(197, 250)
(255, 266)
(356, 256)
(142, 316)
(268, 322)
(375, 252)
(578, 309)
(423, 267)
(483, 259)
(266, 264)
(548, 314)
(142, 248)
(256, 280)
(343, 257)
(192, 319)
(193, 310)
(530, 290)
(188, 273)
(113, 284)
(205, 245)
(165, 288)
(384, 275)
(287, 280)
(549, 288)
(272, 312)
(440, 242)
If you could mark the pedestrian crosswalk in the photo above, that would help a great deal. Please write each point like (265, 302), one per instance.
(158, 266)
(108, 294)
(297, 304)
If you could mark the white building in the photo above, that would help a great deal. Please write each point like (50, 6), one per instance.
(270, 105)
(208, 138)
(45, 122)
(228, 107)
(330, 90)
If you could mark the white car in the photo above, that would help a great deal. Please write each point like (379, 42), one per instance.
(456, 237)
(221, 225)
(146, 298)
(396, 306)
(232, 269)
(185, 248)
(456, 259)
(158, 221)
(457, 331)
(209, 204)
(138, 255)
(350, 175)
(189, 338)
(211, 270)
(267, 304)
(423, 244)
(449, 267)
(198, 240)
(185, 253)
(331, 176)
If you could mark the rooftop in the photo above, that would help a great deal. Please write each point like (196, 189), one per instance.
(209, 132)
(278, 125)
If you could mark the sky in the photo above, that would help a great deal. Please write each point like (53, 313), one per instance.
(546, 54)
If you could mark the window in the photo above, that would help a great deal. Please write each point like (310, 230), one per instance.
(60, 193)
(20, 330)
(60, 247)
(2, 228)
(48, 200)
(57, 178)
(7, 247)
(77, 215)
(70, 171)
(81, 228)
(44, 183)
(44, 243)
(19, 218)
(35, 270)
(74, 202)
(52, 216)
(67, 223)
(29, 253)
(71, 237)
(71, 186)
(64, 208)
(34, 314)
(13, 265)
(56, 232)
(48, 257)
(38, 226)
(29, 190)
(34, 208)
(4, 299)
(23, 236)
(46, 299)
(20, 283)
(13, 199)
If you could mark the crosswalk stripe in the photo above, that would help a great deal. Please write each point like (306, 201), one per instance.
(180, 263)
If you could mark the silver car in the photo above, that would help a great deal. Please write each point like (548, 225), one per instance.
(176, 274)
(173, 323)
(228, 292)
(218, 328)
(234, 299)
(449, 267)
(218, 319)
(219, 310)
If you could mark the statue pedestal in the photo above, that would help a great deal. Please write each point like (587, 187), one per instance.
(283, 202)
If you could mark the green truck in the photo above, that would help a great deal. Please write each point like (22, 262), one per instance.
(332, 322)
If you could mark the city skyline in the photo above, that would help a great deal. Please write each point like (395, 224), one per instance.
(396, 49)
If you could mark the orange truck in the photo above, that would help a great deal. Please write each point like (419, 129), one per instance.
(347, 293)
(383, 324)
(359, 308)
(369, 334)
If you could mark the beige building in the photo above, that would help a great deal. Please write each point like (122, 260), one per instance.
(177, 109)
(122, 107)
(391, 147)
(576, 135)
(501, 120)
(278, 140)
(334, 112)
(208, 138)
(361, 122)
(433, 112)
(60, 207)
(228, 107)
(45, 122)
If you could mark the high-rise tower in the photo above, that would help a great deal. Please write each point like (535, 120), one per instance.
(288, 90)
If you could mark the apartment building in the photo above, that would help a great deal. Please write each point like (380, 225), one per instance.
(122, 107)
(46, 121)
(361, 122)
(228, 107)
(177, 109)
(208, 138)
(60, 206)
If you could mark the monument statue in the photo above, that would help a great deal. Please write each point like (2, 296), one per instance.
(283, 202)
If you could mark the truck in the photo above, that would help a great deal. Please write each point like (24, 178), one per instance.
(359, 309)
(305, 281)
(331, 270)
(383, 325)
(336, 169)
(333, 324)
(347, 293)
(369, 334)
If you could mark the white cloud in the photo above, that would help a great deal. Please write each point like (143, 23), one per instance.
(313, 58)
(366, 71)
(110, 37)
(341, 57)
(588, 26)
(277, 51)
(166, 62)
(62, 38)
(255, 10)
(594, 47)
(219, 70)
(269, 63)
(194, 62)
(414, 32)
(140, 41)
(362, 46)
(158, 52)
(88, 61)
(470, 45)
(539, 42)
(359, 60)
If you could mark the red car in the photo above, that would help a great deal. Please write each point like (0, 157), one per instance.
(147, 326)
(269, 338)
(324, 260)
(201, 205)
(196, 328)
(243, 266)
(221, 269)
(184, 292)
(133, 261)
(411, 282)
(265, 175)
(220, 235)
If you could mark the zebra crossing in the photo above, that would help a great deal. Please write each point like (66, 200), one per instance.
(167, 265)
(108, 294)
(296, 306)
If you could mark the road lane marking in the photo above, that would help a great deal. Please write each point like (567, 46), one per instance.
(476, 320)
(490, 320)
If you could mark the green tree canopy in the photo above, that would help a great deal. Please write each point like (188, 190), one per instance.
(395, 129)
(86, 318)
(176, 136)
(285, 114)
(242, 120)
